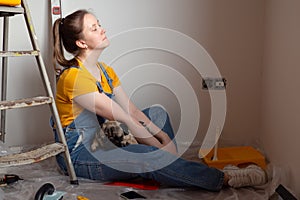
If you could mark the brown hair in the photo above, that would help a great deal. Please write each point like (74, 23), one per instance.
(65, 33)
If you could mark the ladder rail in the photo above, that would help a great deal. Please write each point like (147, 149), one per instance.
(47, 86)
(4, 76)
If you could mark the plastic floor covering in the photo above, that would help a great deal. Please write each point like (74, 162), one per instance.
(37, 174)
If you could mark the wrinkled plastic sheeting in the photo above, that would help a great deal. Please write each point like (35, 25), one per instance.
(35, 175)
(5, 150)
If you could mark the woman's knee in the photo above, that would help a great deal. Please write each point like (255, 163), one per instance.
(156, 113)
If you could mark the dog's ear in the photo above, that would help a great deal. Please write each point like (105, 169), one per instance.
(124, 128)
(104, 124)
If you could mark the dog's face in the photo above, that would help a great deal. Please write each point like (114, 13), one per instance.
(115, 132)
(112, 129)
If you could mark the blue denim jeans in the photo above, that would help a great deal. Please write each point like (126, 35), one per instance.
(136, 160)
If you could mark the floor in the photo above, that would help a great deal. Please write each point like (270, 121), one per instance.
(35, 175)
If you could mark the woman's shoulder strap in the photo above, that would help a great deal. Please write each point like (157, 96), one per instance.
(109, 80)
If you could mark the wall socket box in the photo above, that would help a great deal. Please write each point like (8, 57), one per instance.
(214, 83)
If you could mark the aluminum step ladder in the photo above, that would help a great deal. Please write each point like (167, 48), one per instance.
(45, 151)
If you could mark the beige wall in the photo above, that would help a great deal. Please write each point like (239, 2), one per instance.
(235, 42)
(280, 88)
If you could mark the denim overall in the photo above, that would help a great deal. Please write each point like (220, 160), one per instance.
(135, 160)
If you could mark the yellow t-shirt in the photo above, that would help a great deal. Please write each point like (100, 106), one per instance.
(74, 82)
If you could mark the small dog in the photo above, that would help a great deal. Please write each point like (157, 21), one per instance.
(112, 134)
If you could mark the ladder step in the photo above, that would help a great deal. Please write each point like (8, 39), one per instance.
(48, 151)
(18, 53)
(22, 103)
(32, 156)
(10, 11)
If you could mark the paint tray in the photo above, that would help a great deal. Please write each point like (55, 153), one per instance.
(10, 2)
(238, 156)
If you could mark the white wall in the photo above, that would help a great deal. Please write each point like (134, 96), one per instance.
(230, 31)
(27, 126)
(280, 93)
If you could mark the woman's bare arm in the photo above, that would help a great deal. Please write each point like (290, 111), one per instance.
(109, 109)
(135, 113)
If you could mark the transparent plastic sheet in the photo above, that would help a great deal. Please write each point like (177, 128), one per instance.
(35, 175)
(4, 150)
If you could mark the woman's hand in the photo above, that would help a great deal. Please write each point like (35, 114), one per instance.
(167, 143)
(150, 133)
(159, 139)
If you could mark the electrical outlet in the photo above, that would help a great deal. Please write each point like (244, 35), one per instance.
(214, 83)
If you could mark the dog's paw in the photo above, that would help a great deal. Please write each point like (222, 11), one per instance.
(129, 139)
(94, 145)
(99, 140)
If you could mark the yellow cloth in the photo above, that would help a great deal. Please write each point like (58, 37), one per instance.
(74, 82)
(10, 2)
(82, 198)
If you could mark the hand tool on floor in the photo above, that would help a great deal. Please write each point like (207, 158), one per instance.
(8, 179)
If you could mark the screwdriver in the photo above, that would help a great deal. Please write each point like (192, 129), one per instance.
(8, 179)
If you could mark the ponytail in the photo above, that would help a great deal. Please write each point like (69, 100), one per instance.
(66, 31)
